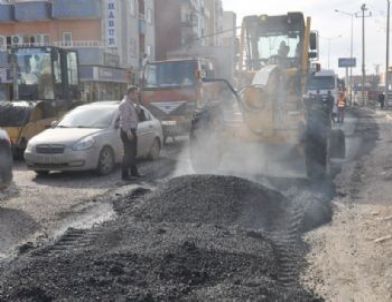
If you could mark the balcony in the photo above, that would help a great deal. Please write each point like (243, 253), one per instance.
(32, 11)
(76, 9)
(6, 13)
(79, 44)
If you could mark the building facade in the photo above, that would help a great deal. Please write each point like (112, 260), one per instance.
(214, 22)
(111, 36)
(186, 24)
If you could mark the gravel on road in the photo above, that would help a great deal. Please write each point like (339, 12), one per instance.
(156, 250)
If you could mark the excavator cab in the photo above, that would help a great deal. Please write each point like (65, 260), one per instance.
(45, 73)
(272, 40)
(45, 86)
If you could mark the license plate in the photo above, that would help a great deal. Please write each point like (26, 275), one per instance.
(48, 159)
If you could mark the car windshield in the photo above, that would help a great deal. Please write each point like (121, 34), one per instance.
(99, 117)
(322, 83)
(170, 74)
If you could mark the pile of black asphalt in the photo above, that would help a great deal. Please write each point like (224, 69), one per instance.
(195, 238)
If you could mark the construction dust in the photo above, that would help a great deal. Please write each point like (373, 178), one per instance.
(196, 238)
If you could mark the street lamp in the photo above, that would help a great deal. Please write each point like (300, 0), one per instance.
(363, 16)
(352, 15)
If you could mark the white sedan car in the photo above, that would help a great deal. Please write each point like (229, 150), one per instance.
(88, 138)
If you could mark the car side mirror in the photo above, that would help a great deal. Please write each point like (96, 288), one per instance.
(54, 124)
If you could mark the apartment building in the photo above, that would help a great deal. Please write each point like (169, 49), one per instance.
(214, 22)
(111, 36)
(180, 24)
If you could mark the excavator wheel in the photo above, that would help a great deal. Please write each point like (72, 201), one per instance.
(205, 146)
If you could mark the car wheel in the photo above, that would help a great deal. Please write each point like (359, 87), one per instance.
(155, 150)
(105, 161)
(42, 173)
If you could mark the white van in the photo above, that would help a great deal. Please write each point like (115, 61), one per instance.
(324, 81)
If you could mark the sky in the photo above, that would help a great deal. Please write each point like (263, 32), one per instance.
(333, 27)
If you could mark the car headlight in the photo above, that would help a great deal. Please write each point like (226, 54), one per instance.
(84, 144)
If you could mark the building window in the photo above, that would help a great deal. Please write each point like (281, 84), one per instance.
(149, 16)
(132, 48)
(149, 50)
(67, 38)
(132, 7)
(45, 39)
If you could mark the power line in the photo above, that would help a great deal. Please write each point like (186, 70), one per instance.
(212, 35)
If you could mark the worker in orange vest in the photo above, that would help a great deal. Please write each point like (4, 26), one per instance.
(341, 104)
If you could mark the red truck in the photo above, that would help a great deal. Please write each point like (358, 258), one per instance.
(173, 90)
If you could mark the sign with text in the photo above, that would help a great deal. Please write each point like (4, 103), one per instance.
(110, 13)
(347, 62)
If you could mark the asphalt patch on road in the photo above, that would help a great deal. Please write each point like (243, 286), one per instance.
(195, 238)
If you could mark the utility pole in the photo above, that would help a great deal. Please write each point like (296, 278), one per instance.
(386, 88)
(363, 9)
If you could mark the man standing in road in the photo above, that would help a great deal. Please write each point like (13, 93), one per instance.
(341, 104)
(128, 127)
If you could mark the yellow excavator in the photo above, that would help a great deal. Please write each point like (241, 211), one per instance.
(45, 86)
(269, 109)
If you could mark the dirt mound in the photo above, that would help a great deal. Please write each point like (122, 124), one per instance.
(212, 199)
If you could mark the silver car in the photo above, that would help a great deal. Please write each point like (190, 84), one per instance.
(88, 138)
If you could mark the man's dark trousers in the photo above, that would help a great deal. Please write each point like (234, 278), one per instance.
(130, 153)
